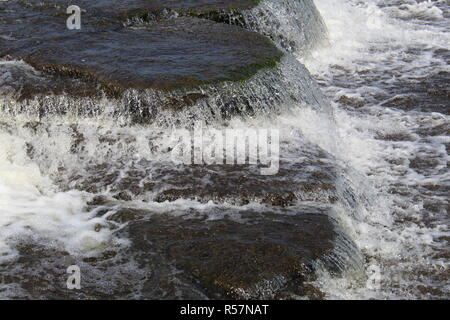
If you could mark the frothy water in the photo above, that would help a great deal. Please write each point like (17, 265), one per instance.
(34, 207)
(382, 129)
(386, 70)
(295, 26)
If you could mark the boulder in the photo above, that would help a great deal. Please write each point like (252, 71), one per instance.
(243, 254)
(167, 55)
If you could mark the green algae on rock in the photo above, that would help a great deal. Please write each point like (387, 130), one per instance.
(166, 55)
(172, 54)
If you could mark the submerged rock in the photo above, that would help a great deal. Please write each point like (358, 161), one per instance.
(118, 7)
(153, 49)
(193, 254)
(241, 184)
(154, 67)
(268, 91)
(167, 55)
(244, 254)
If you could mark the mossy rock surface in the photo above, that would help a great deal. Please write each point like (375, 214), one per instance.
(165, 55)
(261, 255)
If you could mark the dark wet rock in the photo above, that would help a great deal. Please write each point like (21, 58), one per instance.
(176, 57)
(180, 53)
(40, 273)
(123, 195)
(422, 163)
(430, 291)
(295, 26)
(283, 200)
(314, 179)
(243, 255)
(435, 130)
(169, 54)
(259, 256)
(431, 94)
(269, 91)
(350, 101)
(243, 185)
(186, 56)
(126, 215)
(217, 70)
(98, 201)
(398, 136)
(214, 69)
(279, 199)
(126, 7)
(187, 100)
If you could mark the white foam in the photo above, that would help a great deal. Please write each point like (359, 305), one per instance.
(32, 207)
(372, 45)
(363, 35)
(366, 39)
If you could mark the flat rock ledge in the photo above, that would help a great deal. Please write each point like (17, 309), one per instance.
(166, 55)
(295, 26)
(243, 255)
(270, 90)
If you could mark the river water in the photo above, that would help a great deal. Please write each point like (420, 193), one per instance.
(386, 69)
(370, 139)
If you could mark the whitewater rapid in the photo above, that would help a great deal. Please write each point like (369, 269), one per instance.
(378, 54)
(380, 132)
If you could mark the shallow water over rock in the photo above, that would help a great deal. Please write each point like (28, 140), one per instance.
(86, 125)
(246, 255)
(169, 54)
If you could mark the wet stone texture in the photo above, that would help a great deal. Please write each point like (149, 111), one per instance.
(223, 251)
(241, 185)
(314, 177)
(119, 7)
(297, 29)
(259, 255)
(244, 255)
(165, 55)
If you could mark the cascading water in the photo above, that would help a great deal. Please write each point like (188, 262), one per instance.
(386, 70)
(280, 20)
(373, 161)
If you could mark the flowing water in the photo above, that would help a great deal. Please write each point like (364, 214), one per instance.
(367, 147)
(386, 69)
